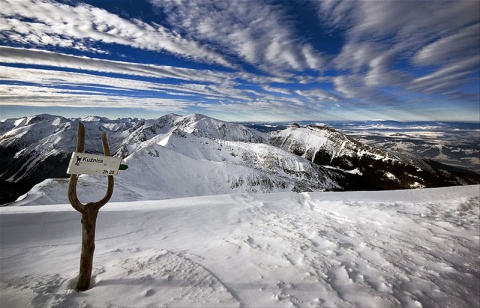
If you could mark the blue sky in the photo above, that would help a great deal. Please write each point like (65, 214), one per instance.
(242, 60)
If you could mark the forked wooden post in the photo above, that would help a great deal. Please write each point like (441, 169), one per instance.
(89, 213)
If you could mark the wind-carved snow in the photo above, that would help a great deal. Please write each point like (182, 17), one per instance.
(413, 248)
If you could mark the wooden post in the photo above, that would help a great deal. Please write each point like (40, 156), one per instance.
(89, 213)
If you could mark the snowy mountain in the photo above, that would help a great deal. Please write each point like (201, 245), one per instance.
(236, 247)
(411, 248)
(169, 157)
(451, 143)
(33, 149)
(183, 156)
(367, 167)
(196, 125)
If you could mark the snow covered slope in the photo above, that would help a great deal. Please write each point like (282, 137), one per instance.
(178, 164)
(367, 167)
(413, 248)
(33, 149)
(181, 156)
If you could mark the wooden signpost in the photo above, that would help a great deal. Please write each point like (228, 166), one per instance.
(82, 163)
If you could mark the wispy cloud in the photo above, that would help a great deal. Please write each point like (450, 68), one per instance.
(449, 78)
(41, 23)
(43, 97)
(399, 43)
(38, 87)
(459, 45)
(54, 59)
(243, 57)
(35, 87)
(257, 32)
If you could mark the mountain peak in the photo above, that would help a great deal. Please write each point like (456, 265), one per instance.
(204, 126)
(216, 156)
(95, 119)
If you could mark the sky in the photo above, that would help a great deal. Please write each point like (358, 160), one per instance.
(242, 60)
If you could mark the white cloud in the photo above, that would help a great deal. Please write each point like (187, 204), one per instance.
(38, 57)
(41, 23)
(358, 92)
(454, 47)
(411, 21)
(58, 60)
(257, 32)
(387, 41)
(277, 90)
(44, 96)
(381, 72)
(52, 81)
(336, 13)
(357, 56)
(391, 49)
(47, 84)
(372, 64)
(448, 78)
(39, 87)
(318, 96)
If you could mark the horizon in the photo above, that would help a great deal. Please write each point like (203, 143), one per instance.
(240, 122)
(242, 61)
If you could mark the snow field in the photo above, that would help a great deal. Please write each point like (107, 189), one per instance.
(211, 166)
(415, 248)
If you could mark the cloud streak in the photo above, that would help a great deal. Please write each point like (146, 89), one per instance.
(251, 58)
(257, 32)
(41, 23)
(53, 59)
(394, 44)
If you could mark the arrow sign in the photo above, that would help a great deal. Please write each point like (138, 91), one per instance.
(82, 163)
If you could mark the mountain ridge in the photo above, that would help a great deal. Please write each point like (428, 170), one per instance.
(233, 157)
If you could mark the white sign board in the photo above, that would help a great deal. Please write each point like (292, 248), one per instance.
(82, 163)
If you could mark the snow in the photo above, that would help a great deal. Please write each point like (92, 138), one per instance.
(309, 140)
(415, 248)
(159, 169)
(390, 175)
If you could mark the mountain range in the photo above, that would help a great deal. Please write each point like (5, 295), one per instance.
(181, 156)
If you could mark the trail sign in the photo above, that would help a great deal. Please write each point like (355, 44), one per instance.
(89, 164)
(82, 163)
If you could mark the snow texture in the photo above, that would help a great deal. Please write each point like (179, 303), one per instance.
(185, 156)
(414, 248)
(215, 156)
